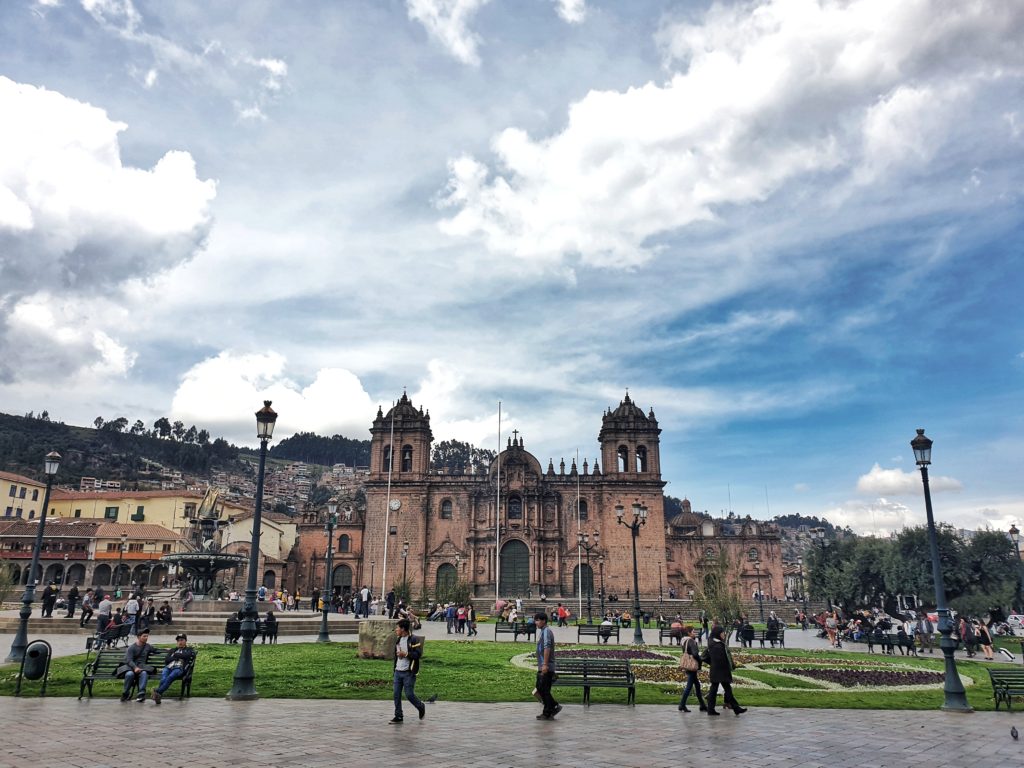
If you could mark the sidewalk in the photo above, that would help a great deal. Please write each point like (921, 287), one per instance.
(213, 733)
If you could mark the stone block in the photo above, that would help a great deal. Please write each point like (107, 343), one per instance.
(377, 639)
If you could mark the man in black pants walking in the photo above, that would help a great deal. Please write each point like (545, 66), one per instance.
(545, 667)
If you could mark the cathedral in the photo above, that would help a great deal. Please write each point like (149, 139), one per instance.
(517, 523)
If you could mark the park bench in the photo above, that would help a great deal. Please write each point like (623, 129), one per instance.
(1006, 683)
(596, 630)
(267, 632)
(107, 661)
(515, 629)
(770, 635)
(596, 673)
(665, 631)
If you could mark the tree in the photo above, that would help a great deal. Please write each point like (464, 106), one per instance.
(459, 458)
(162, 426)
(203, 437)
(44, 416)
(191, 434)
(178, 429)
(719, 591)
(116, 425)
(138, 428)
(98, 422)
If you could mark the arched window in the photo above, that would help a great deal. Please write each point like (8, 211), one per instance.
(515, 508)
(344, 543)
(446, 509)
(386, 464)
(752, 554)
(641, 459)
(407, 458)
(582, 509)
(623, 459)
(710, 553)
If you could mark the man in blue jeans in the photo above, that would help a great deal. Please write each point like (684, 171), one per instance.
(408, 650)
(546, 667)
(175, 664)
(136, 659)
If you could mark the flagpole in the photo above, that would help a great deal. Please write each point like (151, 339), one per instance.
(579, 544)
(497, 520)
(387, 508)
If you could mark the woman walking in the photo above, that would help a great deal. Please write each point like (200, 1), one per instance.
(720, 673)
(831, 627)
(984, 637)
(690, 662)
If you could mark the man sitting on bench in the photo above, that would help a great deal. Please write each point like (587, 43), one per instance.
(175, 662)
(136, 663)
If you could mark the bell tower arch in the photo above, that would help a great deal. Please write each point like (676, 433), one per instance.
(630, 443)
(407, 449)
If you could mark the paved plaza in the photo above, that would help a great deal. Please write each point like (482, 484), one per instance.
(65, 732)
(213, 733)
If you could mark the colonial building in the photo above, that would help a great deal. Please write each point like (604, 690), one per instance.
(515, 525)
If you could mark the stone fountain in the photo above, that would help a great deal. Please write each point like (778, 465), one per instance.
(206, 559)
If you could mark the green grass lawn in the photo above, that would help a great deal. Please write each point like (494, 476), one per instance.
(481, 671)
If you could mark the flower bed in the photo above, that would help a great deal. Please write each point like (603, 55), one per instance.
(611, 653)
(874, 678)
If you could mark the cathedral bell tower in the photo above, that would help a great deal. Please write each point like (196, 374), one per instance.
(630, 443)
(409, 448)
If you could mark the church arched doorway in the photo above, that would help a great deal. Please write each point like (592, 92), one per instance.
(514, 579)
(342, 579)
(588, 581)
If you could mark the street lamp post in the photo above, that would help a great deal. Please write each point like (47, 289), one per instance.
(639, 519)
(1015, 538)
(244, 686)
(64, 576)
(373, 564)
(405, 564)
(600, 568)
(120, 561)
(955, 696)
(583, 539)
(332, 520)
(50, 464)
(803, 594)
(760, 597)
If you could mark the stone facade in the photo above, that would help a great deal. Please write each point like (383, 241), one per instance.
(454, 524)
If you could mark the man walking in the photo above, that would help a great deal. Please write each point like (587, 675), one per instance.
(49, 600)
(408, 650)
(545, 667)
(86, 608)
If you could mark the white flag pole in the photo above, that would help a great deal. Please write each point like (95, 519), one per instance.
(387, 508)
(497, 519)
(579, 547)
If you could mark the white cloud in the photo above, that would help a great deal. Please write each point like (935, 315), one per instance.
(572, 11)
(878, 517)
(122, 18)
(74, 219)
(447, 21)
(222, 393)
(801, 487)
(896, 482)
(759, 96)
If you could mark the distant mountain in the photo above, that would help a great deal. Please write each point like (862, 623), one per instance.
(112, 450)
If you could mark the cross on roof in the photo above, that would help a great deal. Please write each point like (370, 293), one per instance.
(515, 435)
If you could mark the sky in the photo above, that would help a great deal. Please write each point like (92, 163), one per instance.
(791, 227)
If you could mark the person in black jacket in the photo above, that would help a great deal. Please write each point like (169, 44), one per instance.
(720, 674)
(408, 650)
(175, 663)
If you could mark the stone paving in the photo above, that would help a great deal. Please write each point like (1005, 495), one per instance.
(60, 732)
(213, 733)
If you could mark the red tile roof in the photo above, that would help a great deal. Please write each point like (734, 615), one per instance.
(21, 479)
